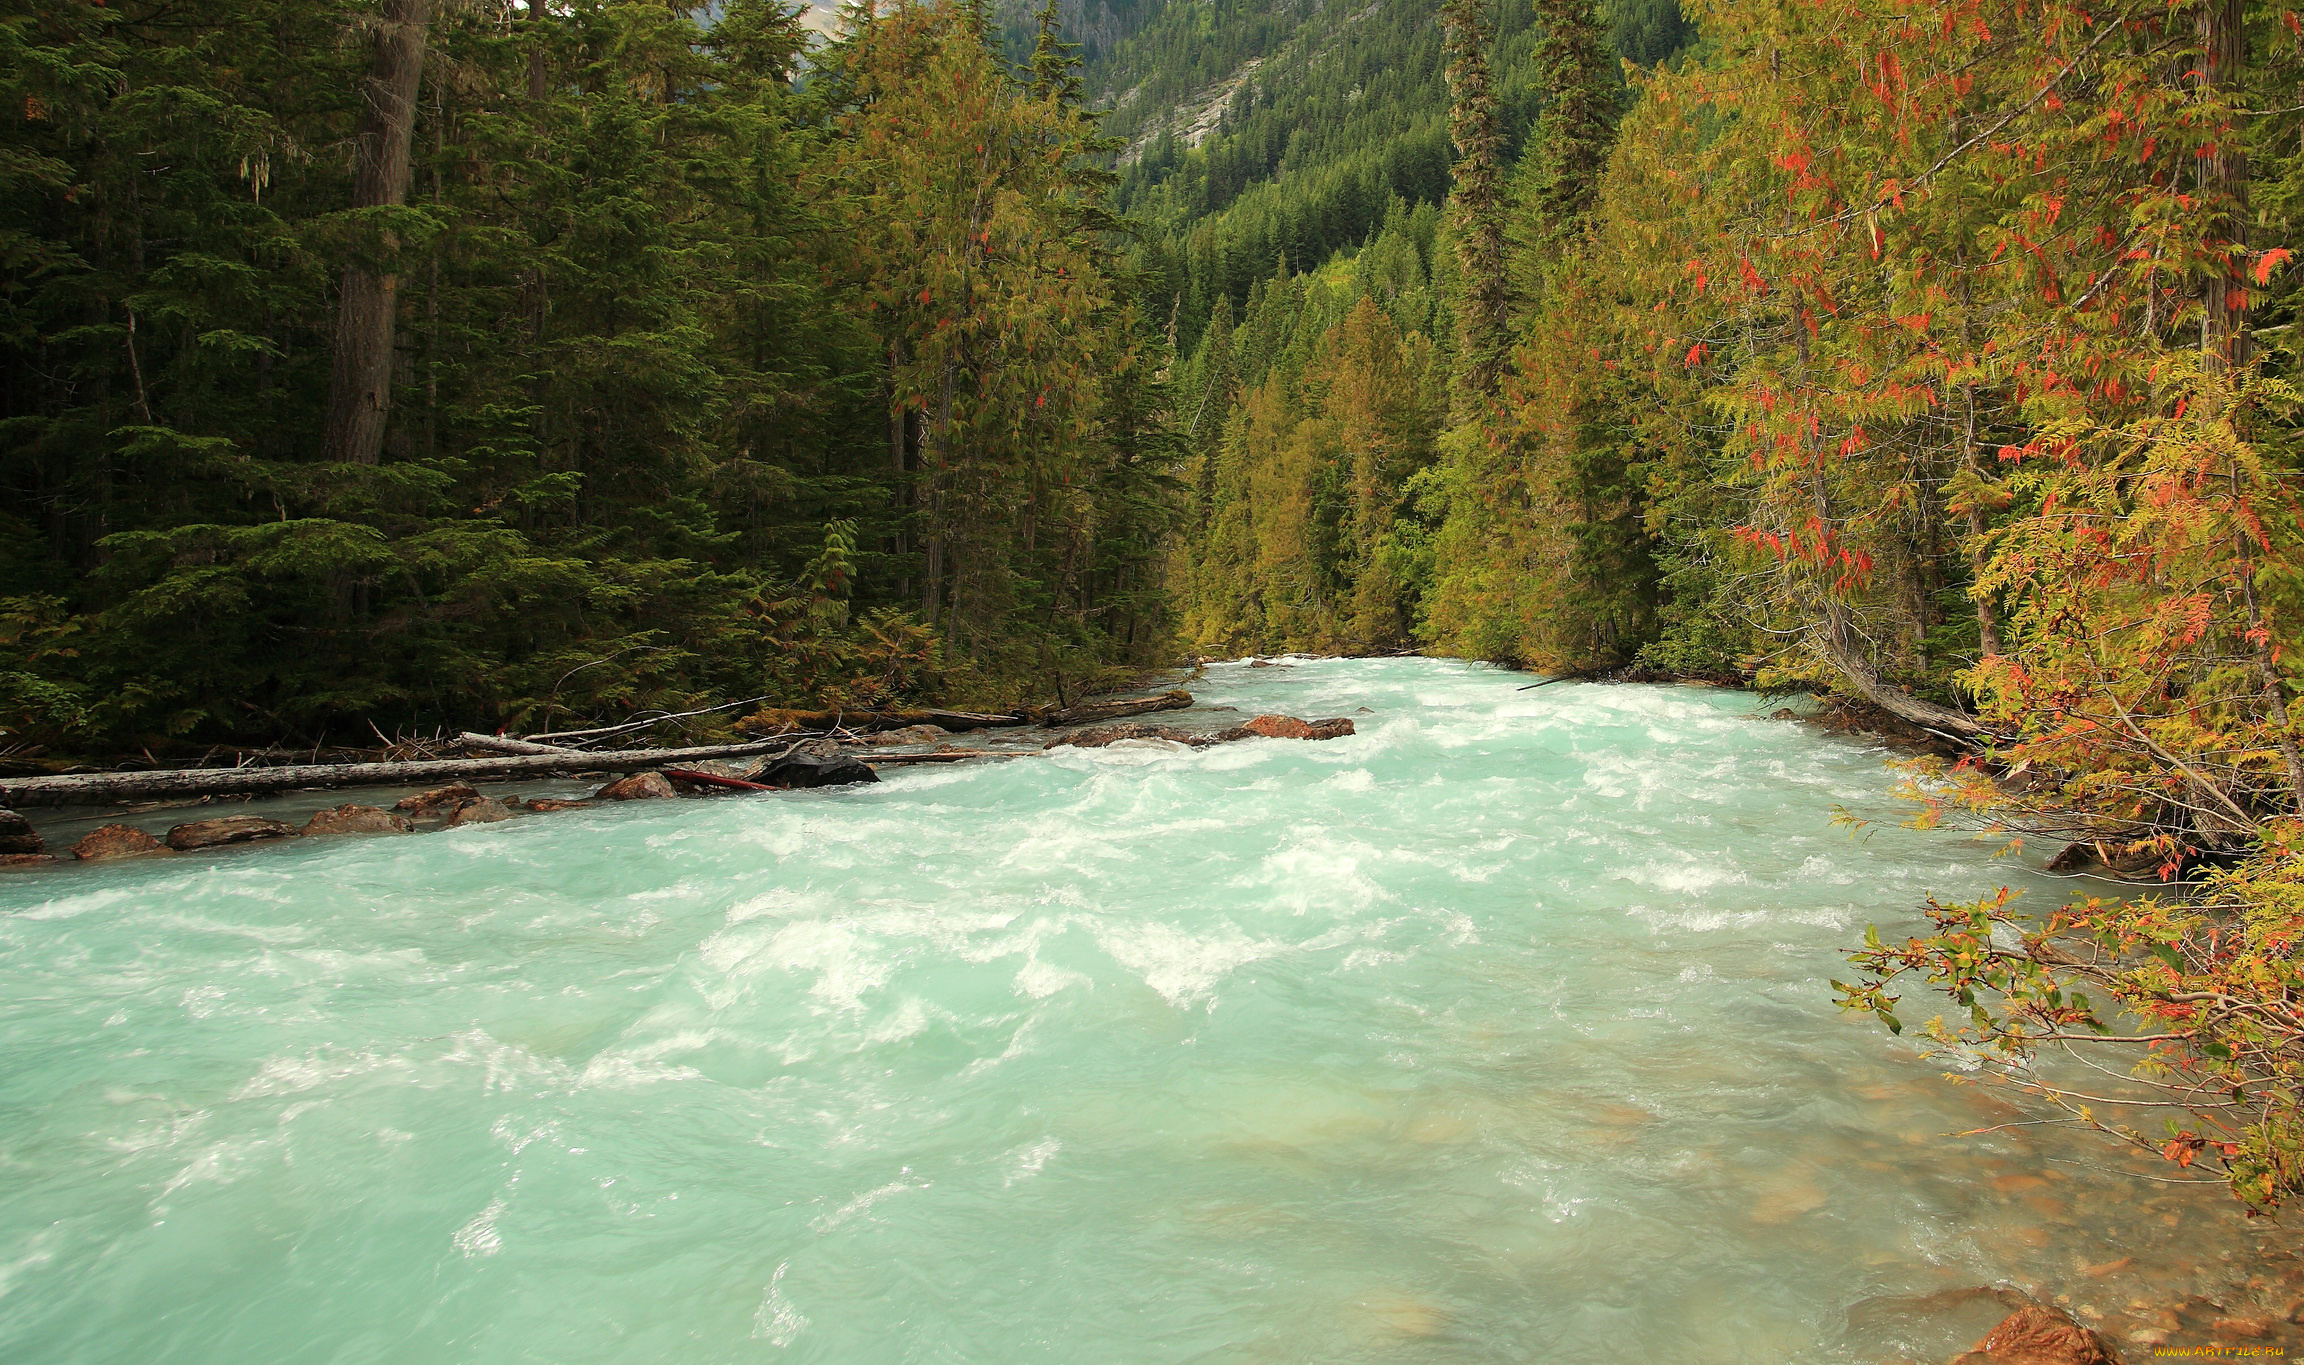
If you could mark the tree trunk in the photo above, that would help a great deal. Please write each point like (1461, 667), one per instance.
(1832, 640)
(360, 373)
(2224, 185)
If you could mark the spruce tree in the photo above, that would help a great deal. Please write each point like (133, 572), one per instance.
(1560, 172)
(1478, 196)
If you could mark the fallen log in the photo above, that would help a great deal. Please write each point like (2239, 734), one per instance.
(1095, 712)
(948, 756)
(503, 745)
(78, 789)
(777, 720)
(705, 779)
(625, 727)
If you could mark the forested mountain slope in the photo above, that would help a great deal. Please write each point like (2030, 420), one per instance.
(1262, 136)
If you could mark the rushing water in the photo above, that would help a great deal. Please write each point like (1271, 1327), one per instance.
(1497, 1032)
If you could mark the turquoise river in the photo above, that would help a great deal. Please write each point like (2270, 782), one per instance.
(1499, 1031)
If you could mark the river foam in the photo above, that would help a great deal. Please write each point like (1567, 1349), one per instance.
(1499, 1031)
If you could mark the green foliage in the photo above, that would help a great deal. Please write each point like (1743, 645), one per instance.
(638, 450)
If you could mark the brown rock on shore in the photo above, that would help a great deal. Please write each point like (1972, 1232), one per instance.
(350, 819)
(228, 829)
(117, 841)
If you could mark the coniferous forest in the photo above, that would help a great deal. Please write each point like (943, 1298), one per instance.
(385, 362)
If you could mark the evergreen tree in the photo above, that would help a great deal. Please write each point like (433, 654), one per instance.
(1478, 197)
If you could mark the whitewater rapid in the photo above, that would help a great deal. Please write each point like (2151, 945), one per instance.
(1499, 1031)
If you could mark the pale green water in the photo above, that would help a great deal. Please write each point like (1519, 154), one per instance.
(1498, 1032)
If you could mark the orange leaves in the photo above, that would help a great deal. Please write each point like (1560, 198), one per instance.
(2277, 256)
(1813, 544)
(1696, 356)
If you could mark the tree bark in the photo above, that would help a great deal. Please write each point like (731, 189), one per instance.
(1832, 641)
(2224, 182)
(360, 370)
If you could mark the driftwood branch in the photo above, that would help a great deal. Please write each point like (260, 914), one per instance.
(628, 726)
(95, 788)
(503, 745)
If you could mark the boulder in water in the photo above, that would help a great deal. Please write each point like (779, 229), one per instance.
(117, 841)
(910, 734)
(18, 836)
(555, 803)
(485, 811)
(10, 862)
(1289, 727)
(228, 829)
(438, 802)
(813, 770)
(637, 787)
(1097, 736)
(351, 819)
(2036, 1334)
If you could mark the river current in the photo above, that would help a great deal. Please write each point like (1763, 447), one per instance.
(1499, 1031)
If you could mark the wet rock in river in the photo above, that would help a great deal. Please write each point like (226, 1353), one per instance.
(1289, 727)
(813, 770)
(637, 787)
(228, 829)
(14, 861)
(18, 836)
(1097, 736)
(117, 841)
(351, 819)
(2036, 1334)
(485, 811)
(910, 734)
(438, 802)
(542, 803)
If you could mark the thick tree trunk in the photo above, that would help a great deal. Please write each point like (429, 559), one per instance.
(1833, 640)
(360, 372)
